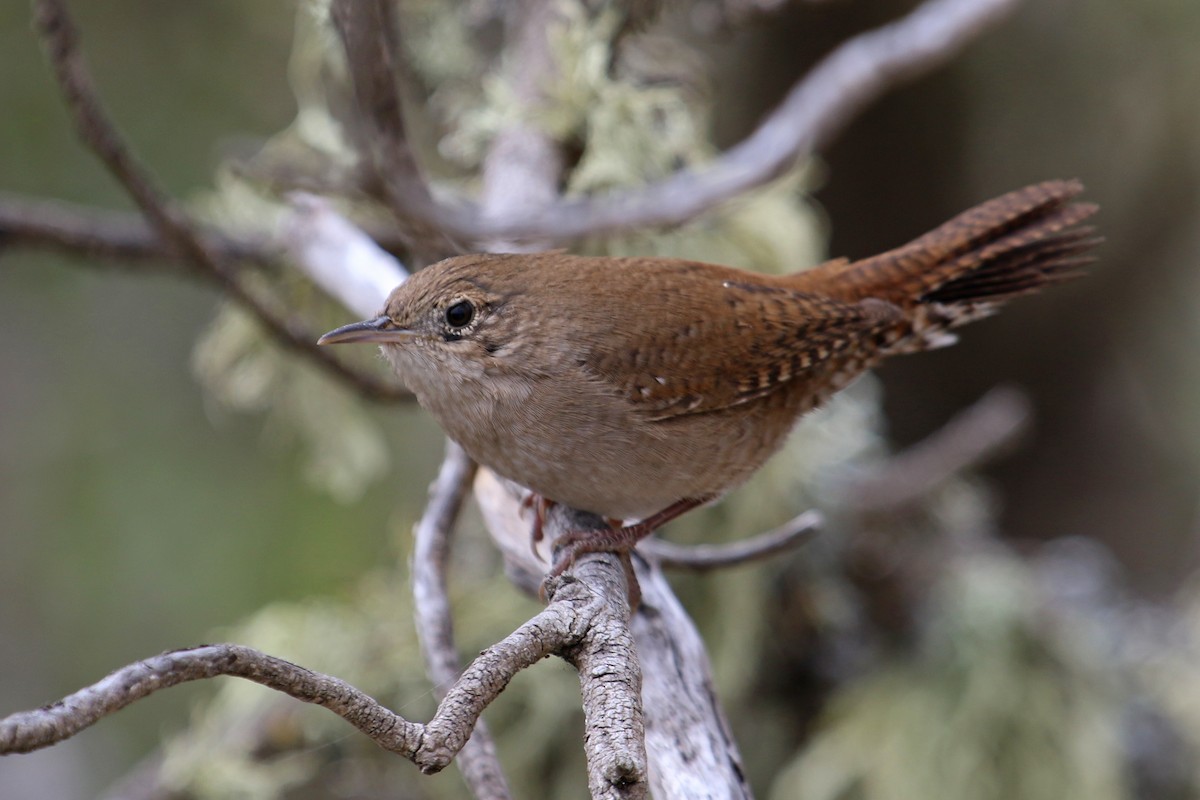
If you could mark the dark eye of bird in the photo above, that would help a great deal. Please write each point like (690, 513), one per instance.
(460, 314)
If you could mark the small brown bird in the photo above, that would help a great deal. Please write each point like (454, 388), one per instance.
(639, 388)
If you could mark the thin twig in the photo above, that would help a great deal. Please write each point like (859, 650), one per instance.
(26, 731)
(432, 746)
(368, 30)
(816, 109)
(38, 223)
(431, 550)
(95, 129)
(701, 558)
(978, 433)
(478, 761)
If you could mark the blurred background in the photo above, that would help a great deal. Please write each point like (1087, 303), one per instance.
(138, 516)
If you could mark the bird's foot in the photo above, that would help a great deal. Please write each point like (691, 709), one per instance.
(619, 540)
(541, 506)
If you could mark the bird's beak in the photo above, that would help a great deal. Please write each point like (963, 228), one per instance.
(380, 330)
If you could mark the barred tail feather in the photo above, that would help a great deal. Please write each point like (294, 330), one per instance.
(966, 268)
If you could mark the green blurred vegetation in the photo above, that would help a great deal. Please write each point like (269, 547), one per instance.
(134, 515)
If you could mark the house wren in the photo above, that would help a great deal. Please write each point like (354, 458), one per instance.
(639, 388)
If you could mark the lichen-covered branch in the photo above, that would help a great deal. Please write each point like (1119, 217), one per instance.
(815, 110)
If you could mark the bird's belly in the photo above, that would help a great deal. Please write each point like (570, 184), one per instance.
(594, 454)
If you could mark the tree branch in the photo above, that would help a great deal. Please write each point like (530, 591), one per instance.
(687, 739)
(977, 433)
(31, 730)
(94, 233)
(555, 630)
(691, 746)
(368, 30)
(61, 38)
(478, 761)
(339, 256)
(814, 112)
(606, 658)
(701, 558)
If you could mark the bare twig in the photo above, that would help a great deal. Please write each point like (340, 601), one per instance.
(98, 133)
(31, 730)
(94, 233)
(814, 112)
(976, 434)
(431, 549)
(431, 746)
(701, 558)
(368, 29)
(434, 624)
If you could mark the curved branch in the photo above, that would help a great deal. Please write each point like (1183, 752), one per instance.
(26, 731)
(478, 761)
(814, 112)
(368, 30)
(701, 558)
(96, 233)
(977, 433)
(556, 629)
(61, 38)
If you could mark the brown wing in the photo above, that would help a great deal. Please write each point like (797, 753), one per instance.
(720, 338)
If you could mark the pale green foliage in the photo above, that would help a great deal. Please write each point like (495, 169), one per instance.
(345, 450)
(581, 52)
(311, 73)
(1167, 672)
(995, 704)
(354, 641)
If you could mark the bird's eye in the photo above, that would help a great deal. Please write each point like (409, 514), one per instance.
(460, 314)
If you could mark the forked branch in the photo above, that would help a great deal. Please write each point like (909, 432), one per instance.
(557, 629)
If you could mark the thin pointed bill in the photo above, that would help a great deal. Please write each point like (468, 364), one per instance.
(380, 330)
